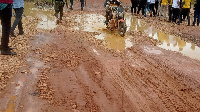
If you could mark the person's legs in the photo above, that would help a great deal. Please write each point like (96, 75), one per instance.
(6, 15)
(195, 17)
(139, 8)
(198, 14)
(18, 18)
(132, 6)
(188, 16)
(20, 24)
(61, 11)
(170, 13)
(135, 7)
(71, 1)
(179, 16)
(56, 7)
(156, 7)
(174, 14)
(153, 8)
(165, 11)
(6, 25)
(82, 4)
(148, 3)
(150, 6)
(184, 13)
(20, 28)
(160, 11)
(143, 9)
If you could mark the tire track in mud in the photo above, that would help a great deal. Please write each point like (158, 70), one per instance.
(159, 76)
(81, 80)
(128, 81)
(89, 75)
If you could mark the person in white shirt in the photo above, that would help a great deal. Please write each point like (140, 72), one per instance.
(176, 10)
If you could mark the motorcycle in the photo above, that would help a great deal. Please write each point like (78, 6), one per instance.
(116, 19)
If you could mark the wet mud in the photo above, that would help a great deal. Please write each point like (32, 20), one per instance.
(80, 66)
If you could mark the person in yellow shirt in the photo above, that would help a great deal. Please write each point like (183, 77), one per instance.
(186, 5)
(164, 4)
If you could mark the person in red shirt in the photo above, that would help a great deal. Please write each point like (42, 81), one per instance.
(5, 15)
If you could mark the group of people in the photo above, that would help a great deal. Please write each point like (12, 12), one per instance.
(177, 10)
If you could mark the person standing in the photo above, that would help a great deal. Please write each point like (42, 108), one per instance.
(157, 3)
(185, 11)
(163, 10)
(71, 6)
(18, 6)
(142, 4)
(152, 8)
(82, 4)
(176, 10)
(196, 12)
(5, 16)
(134, 6)
(170, 10)
(147, 8)
(59, 4)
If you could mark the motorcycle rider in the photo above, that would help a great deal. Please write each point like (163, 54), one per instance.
(110, 2)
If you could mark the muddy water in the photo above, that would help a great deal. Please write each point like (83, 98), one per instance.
(48, 21)
(95, 23)
(11, 105)
(168, 42)
(30, 10)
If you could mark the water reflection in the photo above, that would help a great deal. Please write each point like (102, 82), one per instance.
(90, 22)
(30, 10)
(168, 41)
(46, 23)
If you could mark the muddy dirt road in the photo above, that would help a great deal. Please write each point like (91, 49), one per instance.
(80, 66)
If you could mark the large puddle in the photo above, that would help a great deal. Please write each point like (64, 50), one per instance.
(48, 21)
(95, 23)
(168, 42)
(11, 105)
